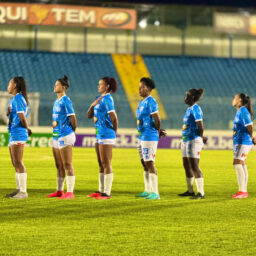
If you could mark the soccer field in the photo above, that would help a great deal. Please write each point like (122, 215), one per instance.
(124, 225)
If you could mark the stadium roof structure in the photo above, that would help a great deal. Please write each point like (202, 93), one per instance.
(227, 3)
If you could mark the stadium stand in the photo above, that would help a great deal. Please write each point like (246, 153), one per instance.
(130, 75)
(42, 69)
(221, 78)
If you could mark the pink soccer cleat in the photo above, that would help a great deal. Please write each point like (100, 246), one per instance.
(56, 194)
(68, 195)
(95, 194)
(103, 196)
(240, 195)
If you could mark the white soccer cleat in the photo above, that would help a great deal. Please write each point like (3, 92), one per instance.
(15, 192)
(20, 195)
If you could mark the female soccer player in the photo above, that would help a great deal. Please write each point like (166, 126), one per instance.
(19, 131)
(192, 143)
(148, 125)
(64, 125)
(242, 140)
(106, 124)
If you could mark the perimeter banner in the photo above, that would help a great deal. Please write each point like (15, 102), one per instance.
(123, 141)
(67, 15)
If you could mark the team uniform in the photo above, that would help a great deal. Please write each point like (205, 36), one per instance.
(242, 142)
(192, 143)
(105, 133)
(63, 134)
(18, 134)
(95, 120)
(147, 144)
(148, 134)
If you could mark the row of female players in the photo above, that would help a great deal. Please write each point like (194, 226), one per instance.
(106, 123)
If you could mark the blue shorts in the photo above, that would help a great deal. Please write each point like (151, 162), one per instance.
(18, 137)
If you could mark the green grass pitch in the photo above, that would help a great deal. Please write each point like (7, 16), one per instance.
(124, 225)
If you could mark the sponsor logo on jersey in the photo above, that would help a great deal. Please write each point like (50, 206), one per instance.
(54, 123)
(184, 137)
(95, 119)
(57, 109)
(184, 127)
(138, 122)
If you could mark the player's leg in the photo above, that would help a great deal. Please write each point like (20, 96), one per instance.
(101, 173)
(196, 147)
(105, 151)
(66, 146)
(17, 158)
(66, 156)
(240, 154)
(60, 173)
(147, 182)
(16, 179)
(188, 170)
(149, 152)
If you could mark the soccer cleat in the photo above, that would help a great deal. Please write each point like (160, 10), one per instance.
(153, 196)
(240, 195)
(197, 196)
(56, 194)
(15, 192)
(187, 193)
(95, 194)
(20, 195)
(68, 195)
(143, 194)
(103, 196)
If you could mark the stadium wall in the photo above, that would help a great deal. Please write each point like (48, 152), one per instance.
(126, 138)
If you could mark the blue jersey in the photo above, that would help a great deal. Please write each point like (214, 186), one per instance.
(102, 121)
(145, 122)
(190, 129)
(62, 110)
(96, 118)
(240, 132)
(17, 131)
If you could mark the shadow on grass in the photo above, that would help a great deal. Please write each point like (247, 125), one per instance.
(82, 208)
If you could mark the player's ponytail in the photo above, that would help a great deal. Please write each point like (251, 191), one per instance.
(197, 93)
(246, 101)
(64, 81)
(111, 81)
(21, 87)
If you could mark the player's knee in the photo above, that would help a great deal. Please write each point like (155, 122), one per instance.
(68, 166)
(18, 164)
(59, 166)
